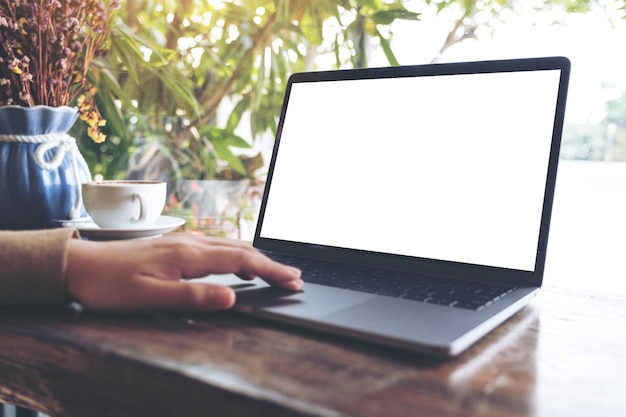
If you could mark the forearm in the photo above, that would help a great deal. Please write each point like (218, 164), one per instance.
(33, 266)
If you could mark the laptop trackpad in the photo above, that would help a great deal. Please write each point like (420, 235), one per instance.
(313, 301)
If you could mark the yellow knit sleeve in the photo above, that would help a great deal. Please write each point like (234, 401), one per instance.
(33, 266)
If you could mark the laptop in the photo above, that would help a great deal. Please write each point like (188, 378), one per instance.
(415, 199)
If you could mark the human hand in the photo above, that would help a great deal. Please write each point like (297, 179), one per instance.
(156, 274)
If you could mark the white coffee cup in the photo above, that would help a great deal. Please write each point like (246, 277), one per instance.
(124, 204)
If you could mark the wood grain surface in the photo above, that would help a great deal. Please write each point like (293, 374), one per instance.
(564, 355)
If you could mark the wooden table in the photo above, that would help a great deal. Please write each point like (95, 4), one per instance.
(564, 355)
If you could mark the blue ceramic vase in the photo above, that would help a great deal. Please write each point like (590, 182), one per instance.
(41, 168)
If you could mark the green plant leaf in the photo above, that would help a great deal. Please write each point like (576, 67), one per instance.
(384, 43)
(387, 17)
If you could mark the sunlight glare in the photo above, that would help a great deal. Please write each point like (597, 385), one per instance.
(217, 4)
(196, 56)
(146, 52)
(233, 32)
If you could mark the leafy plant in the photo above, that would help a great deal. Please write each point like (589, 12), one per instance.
(181, 77)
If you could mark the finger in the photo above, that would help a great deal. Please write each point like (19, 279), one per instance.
(289, 278)
(149, 294)
(245, 262)
(274, 273)
(194, 296)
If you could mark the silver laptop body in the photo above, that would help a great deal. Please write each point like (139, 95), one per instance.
(440, 173)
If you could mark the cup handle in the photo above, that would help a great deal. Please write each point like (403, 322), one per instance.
(143, 208)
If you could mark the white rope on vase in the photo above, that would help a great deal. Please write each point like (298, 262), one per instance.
(63, 143)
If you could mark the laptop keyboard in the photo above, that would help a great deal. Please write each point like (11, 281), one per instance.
(399, 284)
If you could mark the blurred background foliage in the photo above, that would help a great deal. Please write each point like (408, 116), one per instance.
(189, 85)
(173, 64)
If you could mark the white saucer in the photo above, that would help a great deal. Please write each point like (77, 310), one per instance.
(92, 231)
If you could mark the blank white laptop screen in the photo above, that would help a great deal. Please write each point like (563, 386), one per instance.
(449, 167)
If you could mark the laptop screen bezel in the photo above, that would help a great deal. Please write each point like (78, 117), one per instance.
(422, 265)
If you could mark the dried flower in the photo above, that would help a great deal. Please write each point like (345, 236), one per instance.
(46, 48)
(88, 112)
